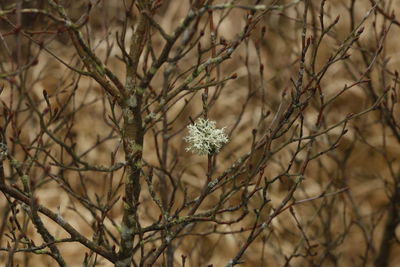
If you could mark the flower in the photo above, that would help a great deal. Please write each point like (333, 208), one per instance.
(204, 138)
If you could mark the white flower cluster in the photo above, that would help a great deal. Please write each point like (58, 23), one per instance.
(204, 138)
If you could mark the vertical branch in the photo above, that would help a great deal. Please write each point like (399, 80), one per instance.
(164, 192)
(133, 139)
(383, 258)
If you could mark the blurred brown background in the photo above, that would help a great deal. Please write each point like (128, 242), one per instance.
(346, 229)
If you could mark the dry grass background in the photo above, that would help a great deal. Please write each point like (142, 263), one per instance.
(342, 218)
